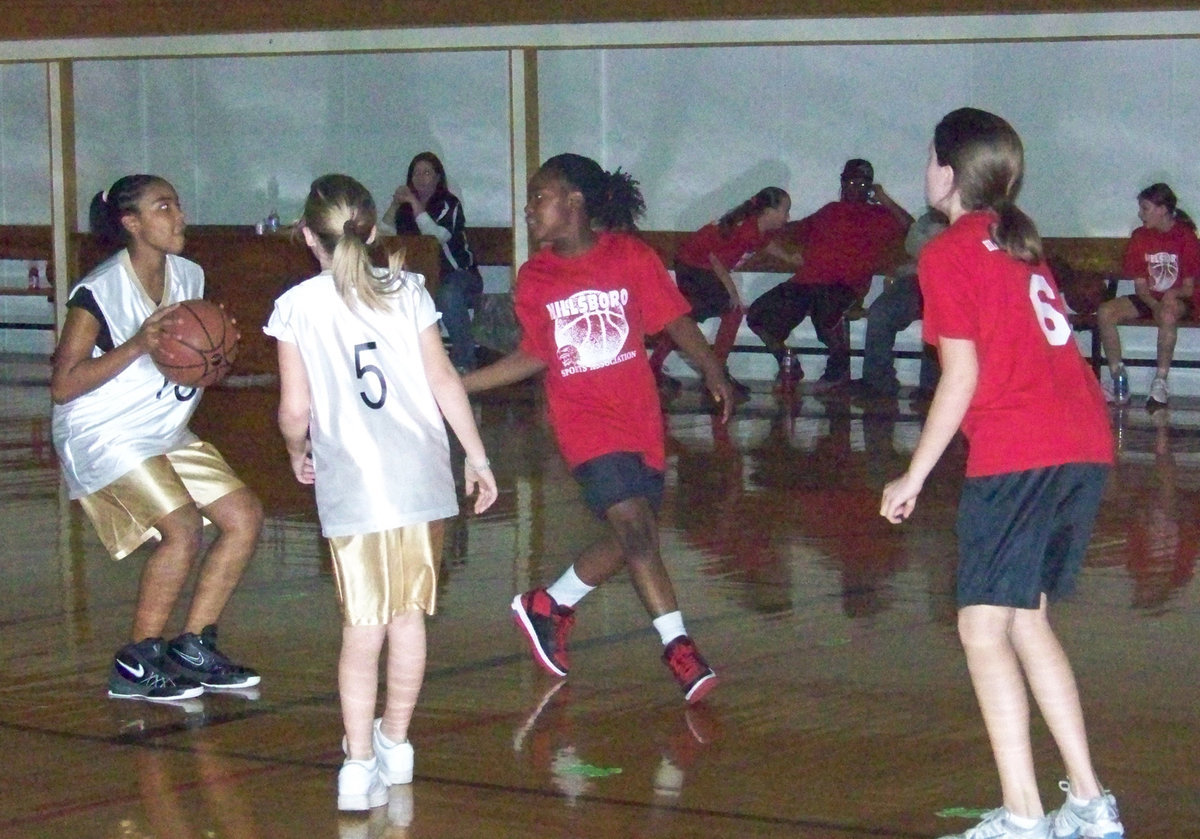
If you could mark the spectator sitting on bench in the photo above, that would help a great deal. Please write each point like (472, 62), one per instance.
(893, 311)
(1163, 259)
(842, 245)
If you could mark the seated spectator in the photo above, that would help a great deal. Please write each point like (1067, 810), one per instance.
(893, 311)
(1163, 259)
(842, 245)
(424, 204)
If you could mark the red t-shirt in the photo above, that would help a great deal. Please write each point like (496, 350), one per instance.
(743, 240)
(1036, 403)
(1163, 258)
(587, 317)
(843, 243)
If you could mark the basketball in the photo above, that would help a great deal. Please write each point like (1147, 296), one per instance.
(198, 345)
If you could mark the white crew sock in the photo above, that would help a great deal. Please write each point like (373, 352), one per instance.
(568, 589)
(670, 626)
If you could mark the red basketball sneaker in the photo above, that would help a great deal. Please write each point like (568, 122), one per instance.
(689, 669)
(547, 625)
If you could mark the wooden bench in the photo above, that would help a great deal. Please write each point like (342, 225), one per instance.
(28, 242)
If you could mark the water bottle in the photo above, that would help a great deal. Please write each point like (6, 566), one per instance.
(272, 225)
(787, 381)
(1121, 387)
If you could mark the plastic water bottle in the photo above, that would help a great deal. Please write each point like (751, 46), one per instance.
(273, 222)
(35, 276)
(787, 381)
(1121, 387)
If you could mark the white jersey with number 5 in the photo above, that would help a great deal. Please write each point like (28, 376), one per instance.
(136, 414)
(380, 450)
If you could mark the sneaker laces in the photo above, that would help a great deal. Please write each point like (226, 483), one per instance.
(685, 661)
(564, 620)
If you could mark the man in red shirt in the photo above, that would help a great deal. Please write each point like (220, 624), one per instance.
(842, 244)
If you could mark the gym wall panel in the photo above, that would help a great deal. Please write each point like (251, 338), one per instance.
(242, 136)
(24, 151)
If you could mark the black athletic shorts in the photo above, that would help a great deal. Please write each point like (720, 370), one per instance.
(1023, 534)
(704, 290)
(611, 478)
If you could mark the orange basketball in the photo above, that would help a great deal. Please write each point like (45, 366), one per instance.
(198, 345)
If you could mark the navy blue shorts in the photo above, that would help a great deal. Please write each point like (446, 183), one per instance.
(1023, 534)
(612, 478)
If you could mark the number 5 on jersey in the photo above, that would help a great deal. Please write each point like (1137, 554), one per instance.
(362, 371)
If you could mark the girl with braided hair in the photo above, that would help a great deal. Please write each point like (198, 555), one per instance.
(365, 384)
(586, 301)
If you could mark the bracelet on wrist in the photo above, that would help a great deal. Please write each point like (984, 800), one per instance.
(479, 467)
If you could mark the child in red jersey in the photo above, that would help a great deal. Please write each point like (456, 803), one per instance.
(1040, 450)
(1163, 260)
(586, 301)
(703, 264)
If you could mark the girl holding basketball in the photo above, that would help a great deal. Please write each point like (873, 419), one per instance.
(703, 266)
(121, 432)
(365, 384)
(1040, 451)
(586, 301)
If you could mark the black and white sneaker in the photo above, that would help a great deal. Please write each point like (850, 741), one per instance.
(138, 672)
(196, 657)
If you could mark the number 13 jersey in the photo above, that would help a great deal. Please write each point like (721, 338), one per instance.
(1036, 402)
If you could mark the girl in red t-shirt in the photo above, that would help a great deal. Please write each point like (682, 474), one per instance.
(703, 264)
(586, 300)
(1163, 260)
(1040, 450)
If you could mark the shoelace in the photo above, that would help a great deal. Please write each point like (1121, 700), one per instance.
(686, 662)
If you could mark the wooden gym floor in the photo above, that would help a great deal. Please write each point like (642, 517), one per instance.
(844, 711)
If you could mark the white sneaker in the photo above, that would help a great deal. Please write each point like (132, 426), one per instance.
(360, 786)
(395, 759)
(1158, 391)
(1095, 819)
(996, 825)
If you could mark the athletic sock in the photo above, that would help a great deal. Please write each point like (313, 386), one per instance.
(1023, 822)
(670, 626)
(568, 589)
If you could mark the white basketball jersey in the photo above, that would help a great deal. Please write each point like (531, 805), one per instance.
(137, 414)
(380, 450)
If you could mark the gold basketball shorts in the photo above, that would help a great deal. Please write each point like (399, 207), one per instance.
(381, 575)
(124, 512)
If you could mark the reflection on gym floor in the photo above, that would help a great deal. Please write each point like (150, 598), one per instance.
(844, 708)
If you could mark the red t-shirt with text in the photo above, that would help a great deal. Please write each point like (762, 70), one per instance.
(587, 318)
(1163, 258)
(1037, 402)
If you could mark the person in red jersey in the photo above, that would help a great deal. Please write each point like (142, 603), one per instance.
(1040, 449)
(586, 301)
(703, 265)
(842, 245)
(1163, 259)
